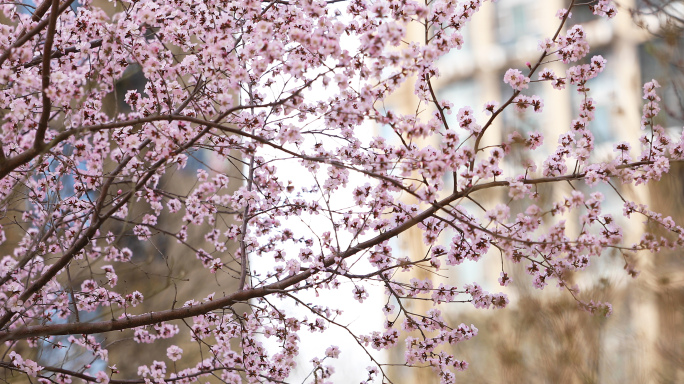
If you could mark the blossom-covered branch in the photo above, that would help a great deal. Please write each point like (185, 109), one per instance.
(183, 177)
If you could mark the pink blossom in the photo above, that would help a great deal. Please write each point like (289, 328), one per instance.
(174, 353)
(516, 79)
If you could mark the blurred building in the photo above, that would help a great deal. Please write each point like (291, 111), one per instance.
(542, 337)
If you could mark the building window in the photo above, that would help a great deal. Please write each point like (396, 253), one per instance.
(458, 60)
(581, 14)
(58, 351)
(516, 21)
(197, 160)
(461, 94)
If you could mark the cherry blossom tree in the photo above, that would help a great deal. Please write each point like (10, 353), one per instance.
(232, 160)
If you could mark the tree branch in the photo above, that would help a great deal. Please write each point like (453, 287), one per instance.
(45, 75)
(27, 36)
